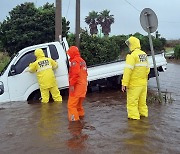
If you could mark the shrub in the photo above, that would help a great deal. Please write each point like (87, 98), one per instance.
(4, 60)
(96, 50)
(177, 51)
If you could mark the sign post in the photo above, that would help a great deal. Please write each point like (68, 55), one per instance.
(149, 23)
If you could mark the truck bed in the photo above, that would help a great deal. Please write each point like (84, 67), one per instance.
(116, 68)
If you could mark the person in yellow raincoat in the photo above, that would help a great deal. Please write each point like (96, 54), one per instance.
(135, 79)
(43, 67)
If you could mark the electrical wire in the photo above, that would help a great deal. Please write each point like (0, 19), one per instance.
(68, 9)
(170, 22)
(132, 5)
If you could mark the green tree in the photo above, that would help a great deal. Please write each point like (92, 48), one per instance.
(138, 35)
(145, 44)
(91, 20)
(1, 47)
(105, 20)
(65, 27)
(177, 51)
(122, 47)
(157, 35)
(157, 44)
(97, 50)
(28, 25)
(164, 41)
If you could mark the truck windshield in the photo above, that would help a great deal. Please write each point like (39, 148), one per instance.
(6, 66)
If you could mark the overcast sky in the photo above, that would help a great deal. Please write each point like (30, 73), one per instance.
(126, 13)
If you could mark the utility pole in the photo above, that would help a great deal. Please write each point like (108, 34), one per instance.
(58, 20)
(78, 23)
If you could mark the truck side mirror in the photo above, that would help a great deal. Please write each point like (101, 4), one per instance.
(12, 70)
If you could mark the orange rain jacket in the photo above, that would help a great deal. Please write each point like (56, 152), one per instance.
(77, 73)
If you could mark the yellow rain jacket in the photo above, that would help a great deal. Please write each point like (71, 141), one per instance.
(44, 66)
(136, 69)
(135, 78)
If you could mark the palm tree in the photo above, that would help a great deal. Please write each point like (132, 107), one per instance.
(105, 20)
(91, 20)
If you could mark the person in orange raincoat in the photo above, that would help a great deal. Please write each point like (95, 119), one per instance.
(77, 84)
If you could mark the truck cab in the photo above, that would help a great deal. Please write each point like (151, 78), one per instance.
(16, 84)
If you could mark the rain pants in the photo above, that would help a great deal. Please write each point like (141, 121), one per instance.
(135, 79)
(77, 84)
(43, 67)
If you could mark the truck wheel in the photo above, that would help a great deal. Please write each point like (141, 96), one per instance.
(35, 96)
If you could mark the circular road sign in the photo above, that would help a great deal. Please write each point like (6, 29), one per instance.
(148, 20)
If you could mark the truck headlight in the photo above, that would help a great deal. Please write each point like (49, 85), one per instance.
(1, 88)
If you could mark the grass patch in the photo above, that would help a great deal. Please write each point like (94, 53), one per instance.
(168, 49)
(4, 59)
(153, 97)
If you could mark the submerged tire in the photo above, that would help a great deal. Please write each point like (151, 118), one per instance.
(35, 96)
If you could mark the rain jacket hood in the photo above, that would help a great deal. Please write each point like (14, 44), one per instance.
(134, 43)
(73, 52)
(39, 53)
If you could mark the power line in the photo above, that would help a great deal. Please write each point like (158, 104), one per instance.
(170, 22)
(132, 6)
(68, 8)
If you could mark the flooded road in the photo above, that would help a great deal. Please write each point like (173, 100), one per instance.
(37, 128)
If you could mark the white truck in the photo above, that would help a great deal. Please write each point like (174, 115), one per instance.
(18, 85)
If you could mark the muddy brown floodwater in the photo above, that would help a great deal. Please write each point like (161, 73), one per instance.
(37, 128)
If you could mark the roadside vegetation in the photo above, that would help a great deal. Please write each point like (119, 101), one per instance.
(153, 97)
(173, 49)
(177, 51)
(169, 49)
(97, 50)
(4, 59)
(28, 25)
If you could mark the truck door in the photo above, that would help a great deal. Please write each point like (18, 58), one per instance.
(62, 71)
(20, 81)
